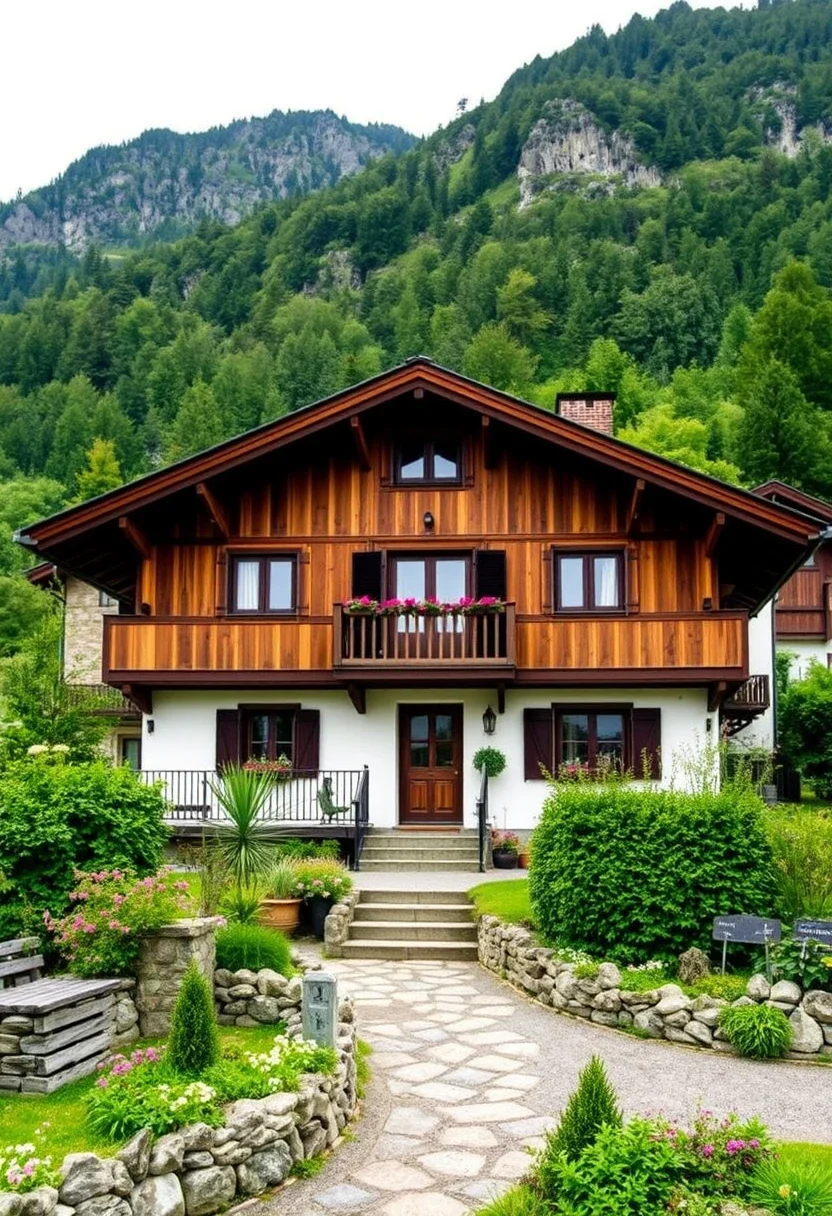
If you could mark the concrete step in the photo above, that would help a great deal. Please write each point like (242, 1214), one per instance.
(402, 833)
(444, 913)
(404, 896)
(394, 855)
(398, 950)
(400, 866)
(398, 931)
(442, 844)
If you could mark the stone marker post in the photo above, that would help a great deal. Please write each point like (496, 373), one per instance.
(320, 1008)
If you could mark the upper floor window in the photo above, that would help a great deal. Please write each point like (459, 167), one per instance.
(106, 601)
(264, 583)
(435, 461)
(589, 582)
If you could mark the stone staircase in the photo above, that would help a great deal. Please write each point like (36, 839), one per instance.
(394, 849)
(413, 925)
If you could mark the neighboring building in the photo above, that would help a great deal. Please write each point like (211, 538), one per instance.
(84, 609)
(627, 581)
(803, 613)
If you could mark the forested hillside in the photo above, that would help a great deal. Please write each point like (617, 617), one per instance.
(649, 212)
(161, 184)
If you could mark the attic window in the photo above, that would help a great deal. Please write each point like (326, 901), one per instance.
(434, 462)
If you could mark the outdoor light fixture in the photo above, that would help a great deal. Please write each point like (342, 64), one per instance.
(428, 520)
(489, 721)
(151, 726)
(707, 604)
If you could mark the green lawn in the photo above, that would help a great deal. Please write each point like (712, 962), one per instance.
(63, 1111)
(509, 900)
(796, 1152)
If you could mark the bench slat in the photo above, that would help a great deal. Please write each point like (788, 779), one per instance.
(44, 996)
(17, 966)
(19, 946)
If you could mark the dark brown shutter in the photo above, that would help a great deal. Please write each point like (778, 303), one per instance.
(490, 573)
(366, 575)
(538, 743)
(229, 737)
(307, 740)
(647, 742)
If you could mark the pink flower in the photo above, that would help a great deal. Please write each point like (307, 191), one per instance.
(753, 1143)
(29, 1168)
(102, 1082)
(113, 924)
(152, 1055)
(88, 928)
(734, 1146)
(707, 1150)
(181, 886)
(118, 900)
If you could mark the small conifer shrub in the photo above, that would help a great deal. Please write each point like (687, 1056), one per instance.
(593, 1105)
(194, 1043)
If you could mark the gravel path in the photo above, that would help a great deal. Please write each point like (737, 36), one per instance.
(468, 1075)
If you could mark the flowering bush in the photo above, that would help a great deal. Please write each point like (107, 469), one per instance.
(111, 908)
(717, 1156)
(143, 1090)
(466, 606)
(509, 842)
(22, 1168)
(327, 879)
(140, 1091)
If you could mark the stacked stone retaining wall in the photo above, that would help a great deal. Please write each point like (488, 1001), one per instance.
(164, 956)
(661, 1013)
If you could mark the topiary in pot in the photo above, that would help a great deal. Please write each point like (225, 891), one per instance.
(491, 760)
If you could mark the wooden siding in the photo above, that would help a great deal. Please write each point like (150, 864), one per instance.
(804, 605)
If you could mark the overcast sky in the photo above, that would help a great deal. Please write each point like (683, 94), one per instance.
(101, 71)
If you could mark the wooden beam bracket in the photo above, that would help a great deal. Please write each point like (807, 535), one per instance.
(362, 448)
(714, 532)
(142, 698)
(215, 508)
(501, 698)
(716, 695)
(490, 454)
(135, 536)
(358, 695)
(634, 509)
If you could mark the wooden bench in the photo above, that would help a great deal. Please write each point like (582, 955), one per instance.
(52, 1030)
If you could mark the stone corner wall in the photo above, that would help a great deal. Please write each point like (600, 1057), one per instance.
(337, 925)
(164, 956)
(660, 1013)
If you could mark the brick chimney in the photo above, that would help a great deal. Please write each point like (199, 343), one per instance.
(590, 409)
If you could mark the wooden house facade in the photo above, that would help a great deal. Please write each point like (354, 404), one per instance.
(597, 597)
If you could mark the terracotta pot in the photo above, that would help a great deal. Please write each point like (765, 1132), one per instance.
(282, 914)
(504, 859)
(524, 860)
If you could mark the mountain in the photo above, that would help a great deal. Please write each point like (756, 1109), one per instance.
(648, 212)
(162, 184)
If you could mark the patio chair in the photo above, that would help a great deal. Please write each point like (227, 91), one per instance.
(328, 808)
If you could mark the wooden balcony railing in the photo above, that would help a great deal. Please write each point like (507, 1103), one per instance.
(453, 639)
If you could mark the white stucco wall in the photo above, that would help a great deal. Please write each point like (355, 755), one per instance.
(805, 650)
(184, 737)
(760, 733)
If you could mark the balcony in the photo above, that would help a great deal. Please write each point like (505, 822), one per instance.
(746, 703)
(453, 640)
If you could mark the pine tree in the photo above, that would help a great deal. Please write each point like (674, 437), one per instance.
(593, 1105)
(102, 473)
(194, 1044)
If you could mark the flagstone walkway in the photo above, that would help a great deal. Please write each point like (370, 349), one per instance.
(468, 1076)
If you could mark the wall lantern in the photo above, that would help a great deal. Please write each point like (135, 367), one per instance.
(151, 726)
(489, 721)
(428, 521)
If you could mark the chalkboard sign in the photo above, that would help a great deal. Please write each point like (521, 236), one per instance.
(813, 930)
(752, 930)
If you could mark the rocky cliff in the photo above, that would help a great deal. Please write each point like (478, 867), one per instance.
(162, 184)
(567, 139)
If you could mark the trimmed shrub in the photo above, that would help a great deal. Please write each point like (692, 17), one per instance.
(593, 1105)
(253, 947)
(757, 1031)
(56, 818)
(194, 1042)
(640, 874)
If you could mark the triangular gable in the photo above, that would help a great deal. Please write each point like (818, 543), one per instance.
(414, 374)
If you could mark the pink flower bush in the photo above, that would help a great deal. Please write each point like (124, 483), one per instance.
(100, 935)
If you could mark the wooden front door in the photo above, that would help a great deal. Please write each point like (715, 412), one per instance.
(430, 759)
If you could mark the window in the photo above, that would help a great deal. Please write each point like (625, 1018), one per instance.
(588, 740)
(264, 584)
(269, 735)
(586, 736)
(106, 601)
(589, 582)
(130, 751)
(438, 461)
(430, 578)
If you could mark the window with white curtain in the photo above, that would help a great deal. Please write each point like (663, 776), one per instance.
(589, 582)
(264, 583)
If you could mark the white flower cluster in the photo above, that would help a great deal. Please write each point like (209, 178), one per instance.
(297, 1052)
(196, 1091)
(653, 964)
(21, 1169)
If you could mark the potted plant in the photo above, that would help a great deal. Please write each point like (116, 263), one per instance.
(505, 850)
(322, 884)
(524, 854)
(280, 907)
(491, 759)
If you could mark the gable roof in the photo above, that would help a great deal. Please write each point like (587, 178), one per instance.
(781, 492)
(419, 372)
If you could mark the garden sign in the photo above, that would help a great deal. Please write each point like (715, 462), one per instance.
(750, 930)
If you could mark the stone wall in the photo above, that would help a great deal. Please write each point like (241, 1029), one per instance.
(200, 1170)
(661, 1013)
(337, 925)
(163, 959)
(254, 998)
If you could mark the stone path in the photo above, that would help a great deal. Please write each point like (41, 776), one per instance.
(468, 1075)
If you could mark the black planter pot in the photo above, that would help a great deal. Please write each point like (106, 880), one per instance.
(504, 859)
(319, 906)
